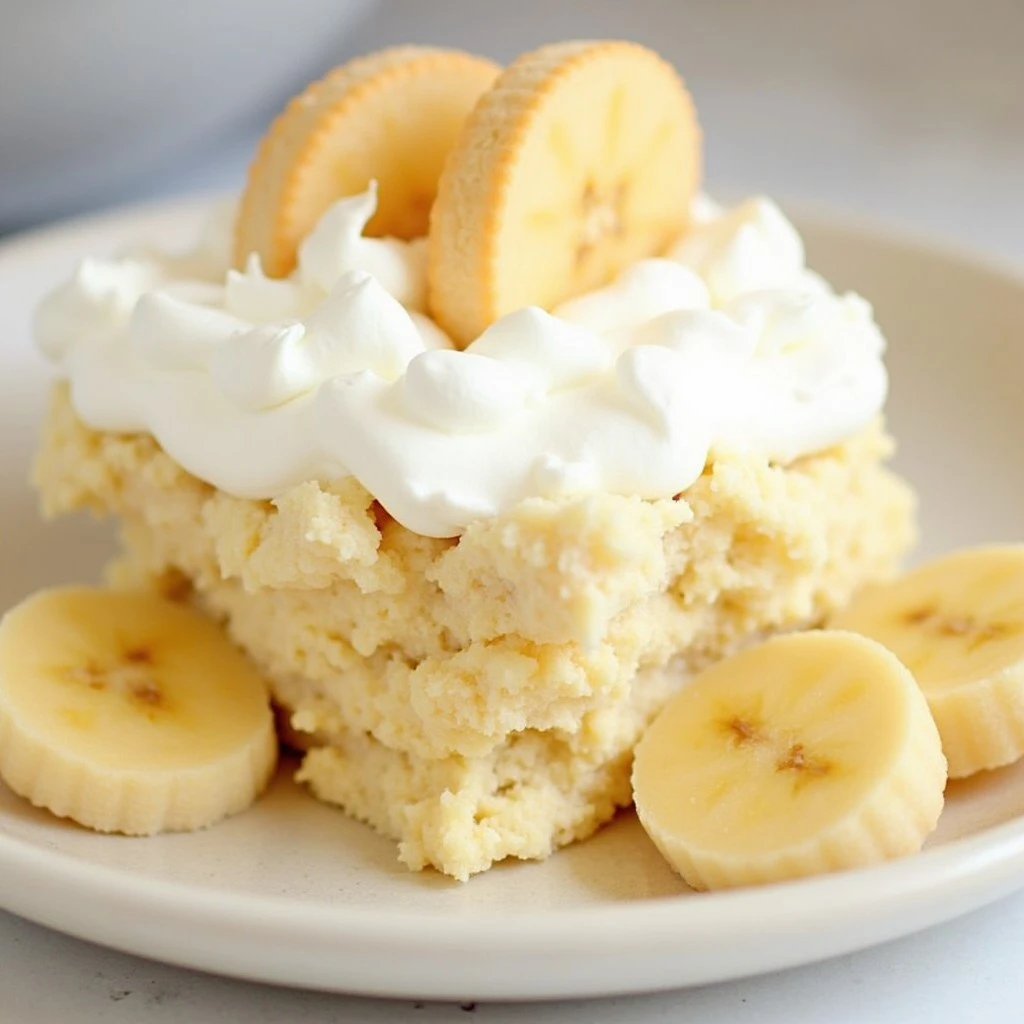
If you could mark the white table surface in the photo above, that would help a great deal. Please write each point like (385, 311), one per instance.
(909, 112)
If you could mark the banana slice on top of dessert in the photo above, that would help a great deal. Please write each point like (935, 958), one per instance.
(582, 158)
(128, 713)
(389, 117)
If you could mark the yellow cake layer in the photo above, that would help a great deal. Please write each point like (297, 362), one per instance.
(477, 698)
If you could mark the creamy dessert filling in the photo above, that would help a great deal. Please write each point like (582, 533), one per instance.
(255, 384)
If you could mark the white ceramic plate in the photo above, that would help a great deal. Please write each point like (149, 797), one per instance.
(293, 892)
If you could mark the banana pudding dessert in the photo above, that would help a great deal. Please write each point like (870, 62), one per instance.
(480, 430)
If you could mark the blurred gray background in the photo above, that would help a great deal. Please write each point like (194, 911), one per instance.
(908, 111)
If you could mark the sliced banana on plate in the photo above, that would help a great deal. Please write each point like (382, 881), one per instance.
(129, 713)
(582, 158)
(958, 624)
(808, 753)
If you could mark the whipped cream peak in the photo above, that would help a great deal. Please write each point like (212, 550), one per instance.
(700, 335)
(646, 289)
(170, 332)
(337, 246)
(786, 320)
(461, 392)
(358, 328)
(98, 293)
(262, 368)
(648, 376)
(752, 247)
(555, 353)
(256, 384)
(253, 296)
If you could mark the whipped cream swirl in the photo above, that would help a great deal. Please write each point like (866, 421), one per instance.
(255, 385)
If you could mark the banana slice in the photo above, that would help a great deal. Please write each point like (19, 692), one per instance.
(582, 158)
(958, 624)
(390, 116)
(809, 753)
(129, 713)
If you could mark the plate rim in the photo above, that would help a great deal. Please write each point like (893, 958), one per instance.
(990, 859)
(996, 846)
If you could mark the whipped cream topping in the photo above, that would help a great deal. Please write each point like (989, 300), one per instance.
(255, 385)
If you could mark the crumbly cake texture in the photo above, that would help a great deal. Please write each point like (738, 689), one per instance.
(479, 698)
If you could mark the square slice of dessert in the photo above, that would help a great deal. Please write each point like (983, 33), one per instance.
(479, 462)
